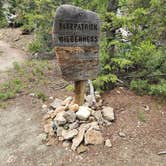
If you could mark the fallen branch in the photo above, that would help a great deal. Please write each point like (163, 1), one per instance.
(162, 152)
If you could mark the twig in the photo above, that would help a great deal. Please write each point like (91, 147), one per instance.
(162, 152)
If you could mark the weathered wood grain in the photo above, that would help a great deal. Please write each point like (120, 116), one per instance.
(78, 63)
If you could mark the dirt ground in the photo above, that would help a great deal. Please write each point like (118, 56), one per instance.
(145, 129)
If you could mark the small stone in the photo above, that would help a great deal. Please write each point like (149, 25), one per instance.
(108, 143)
(70, 116)
(83, 113)
(44, 106)
(91, 119)
(59, 131)
(74, 125)
(121, 134)
(74, 107)
(108, 113)
(60, 138)
(56, 103)
(69, 134)
(59, 119)
(118, 92)
(146, 107)
(66, 144)
(82, 149)
(59, 109)
(32, 94)
(67, 101)
(93, 137)
(51, 98)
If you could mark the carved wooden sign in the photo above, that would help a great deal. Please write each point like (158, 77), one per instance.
(76, 40)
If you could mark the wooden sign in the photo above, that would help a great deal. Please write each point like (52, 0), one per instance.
(76, 40)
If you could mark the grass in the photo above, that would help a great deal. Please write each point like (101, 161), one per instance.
(70, 88)
(26, 77)
(3, 105)
(141, 116)
(42, 96)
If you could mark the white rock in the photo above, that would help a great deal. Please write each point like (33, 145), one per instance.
(59, 119)
(108, 113)
(83, 113)
(121, 134)
(108, 143)
(51, 98)
(32, 94)
(44, 106)
(69, 134)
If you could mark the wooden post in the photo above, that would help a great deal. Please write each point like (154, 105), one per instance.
(79, 91)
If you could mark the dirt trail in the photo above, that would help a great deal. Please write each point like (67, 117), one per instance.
(8, 55)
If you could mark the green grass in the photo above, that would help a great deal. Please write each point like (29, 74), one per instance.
(3, 105)
(42, 96)
(8, 90)
(25, 77)
(70, 88)
(141, 116)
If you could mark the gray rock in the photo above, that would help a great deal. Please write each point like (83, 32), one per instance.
(108, 113)
(56, 103)
(74, 125)
(69, 134)
(108, 143)
(98, 116)
(59, 119)
(59, 131)
(83, 113)
(70, 116)
(93, 137)
(67, 101)
(54, 126)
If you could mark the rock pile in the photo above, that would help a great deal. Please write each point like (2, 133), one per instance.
(77, 126)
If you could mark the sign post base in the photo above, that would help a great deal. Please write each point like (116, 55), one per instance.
(79, 91)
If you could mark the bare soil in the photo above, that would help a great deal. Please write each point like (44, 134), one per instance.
(21, 126)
